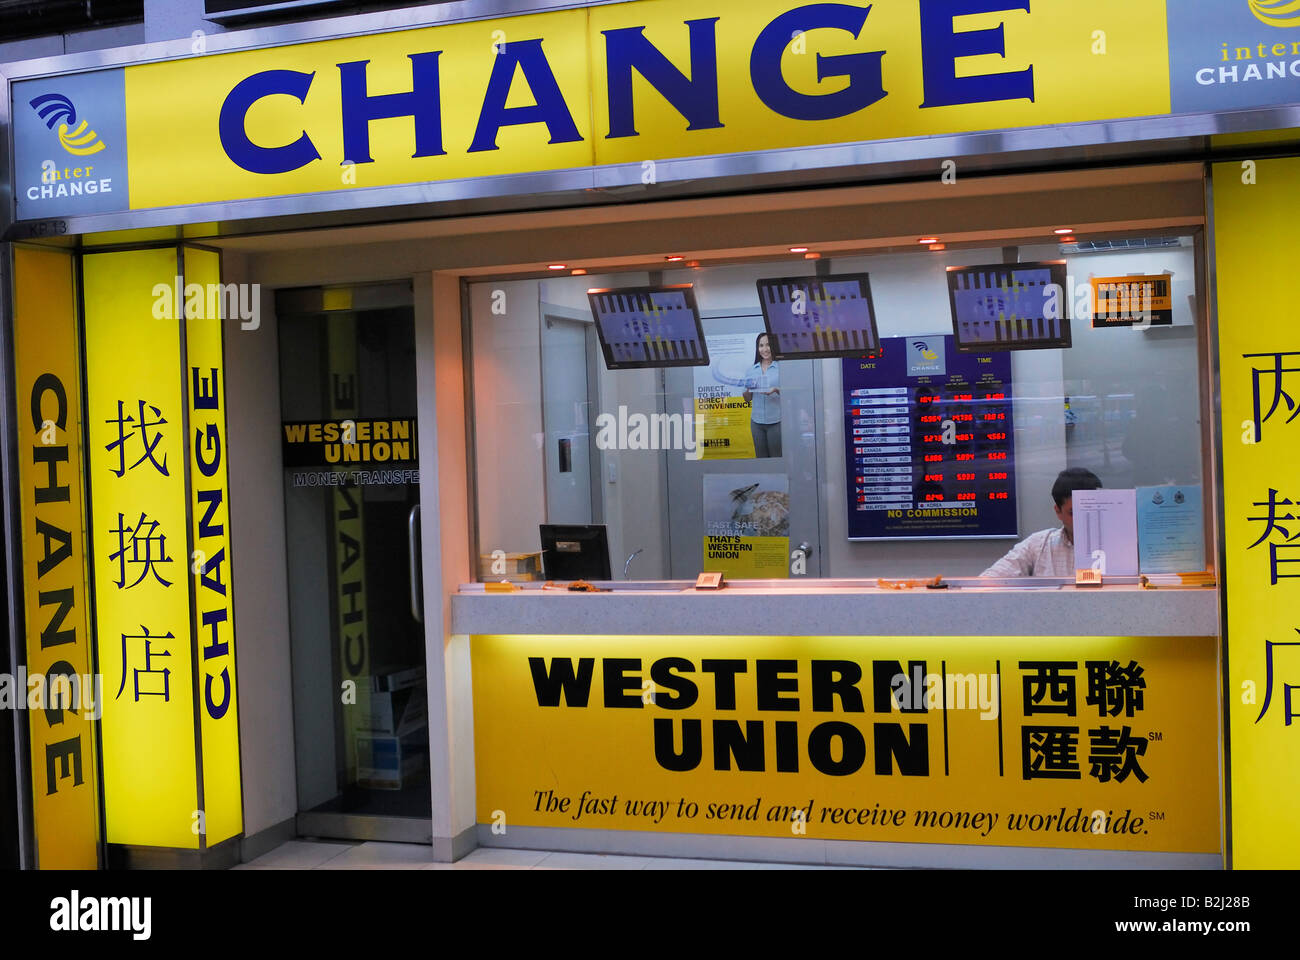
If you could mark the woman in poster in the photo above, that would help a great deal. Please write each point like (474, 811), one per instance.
(765, 400)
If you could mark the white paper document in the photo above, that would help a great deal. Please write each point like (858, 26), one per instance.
(1105, 531)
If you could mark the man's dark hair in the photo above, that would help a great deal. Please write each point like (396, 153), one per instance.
(1076, 478)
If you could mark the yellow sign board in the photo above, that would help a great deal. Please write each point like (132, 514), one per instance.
(159, 528)
(65, 792)
(140, 563)
(1255, 208)
(211, 563)
(626, 83)
(1096, 743)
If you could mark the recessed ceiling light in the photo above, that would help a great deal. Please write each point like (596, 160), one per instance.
(798, 249)
(1063, 231)
(557, 266)
(928, 240)
(674, 258)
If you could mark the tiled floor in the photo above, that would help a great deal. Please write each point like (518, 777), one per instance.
(372, 855)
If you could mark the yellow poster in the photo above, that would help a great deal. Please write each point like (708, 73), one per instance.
(1084, 742)
(747, 525)
(726, 394)
(1255, 208)
(139, 531)
(65, 782)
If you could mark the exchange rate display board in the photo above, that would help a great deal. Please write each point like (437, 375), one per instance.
(928, 437)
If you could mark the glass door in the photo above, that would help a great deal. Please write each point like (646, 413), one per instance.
(351, 482)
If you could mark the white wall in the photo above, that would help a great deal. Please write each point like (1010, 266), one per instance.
(257, 533)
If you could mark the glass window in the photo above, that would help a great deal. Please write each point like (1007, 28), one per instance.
(926, 458)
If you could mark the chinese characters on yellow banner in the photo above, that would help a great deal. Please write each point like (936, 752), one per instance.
(1259, 382)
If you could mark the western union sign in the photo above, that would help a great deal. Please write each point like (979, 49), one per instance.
(1103, 743)
(312, 443)
(627, 83)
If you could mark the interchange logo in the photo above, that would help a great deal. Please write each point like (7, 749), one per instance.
(1276, 13)
(56, 108)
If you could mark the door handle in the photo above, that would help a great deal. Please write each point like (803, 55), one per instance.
(412, 536)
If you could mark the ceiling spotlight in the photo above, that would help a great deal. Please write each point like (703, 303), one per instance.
(1064, 231)
(557, 266)
(674, 259)
(928, 240)
(798, 249)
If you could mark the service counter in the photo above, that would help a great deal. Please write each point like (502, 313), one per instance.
(842, 608)
(838, 722)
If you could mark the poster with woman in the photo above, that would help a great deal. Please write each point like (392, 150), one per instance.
(738, 399)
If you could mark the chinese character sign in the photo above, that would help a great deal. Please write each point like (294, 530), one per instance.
(138, 404)
(1259, 388)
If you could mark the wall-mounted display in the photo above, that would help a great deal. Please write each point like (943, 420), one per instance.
(929, 443)
(1019, 306)
(819, 316)
(649, 327)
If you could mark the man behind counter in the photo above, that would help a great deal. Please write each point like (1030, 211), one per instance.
(1049, 553)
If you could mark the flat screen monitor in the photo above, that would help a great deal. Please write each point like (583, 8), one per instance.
(819, 316)
(649, 327)
(575, 551)
(1009, 306)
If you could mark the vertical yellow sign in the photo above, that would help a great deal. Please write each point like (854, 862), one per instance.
(1255, 210)
(347, 547)
(65, 791)
(139, 532)
(211, 565)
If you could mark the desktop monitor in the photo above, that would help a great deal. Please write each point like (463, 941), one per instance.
(575, 551)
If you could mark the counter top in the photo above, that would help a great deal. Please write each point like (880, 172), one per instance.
(1118, 611)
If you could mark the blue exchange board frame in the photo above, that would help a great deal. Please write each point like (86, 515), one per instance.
(895, 408)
